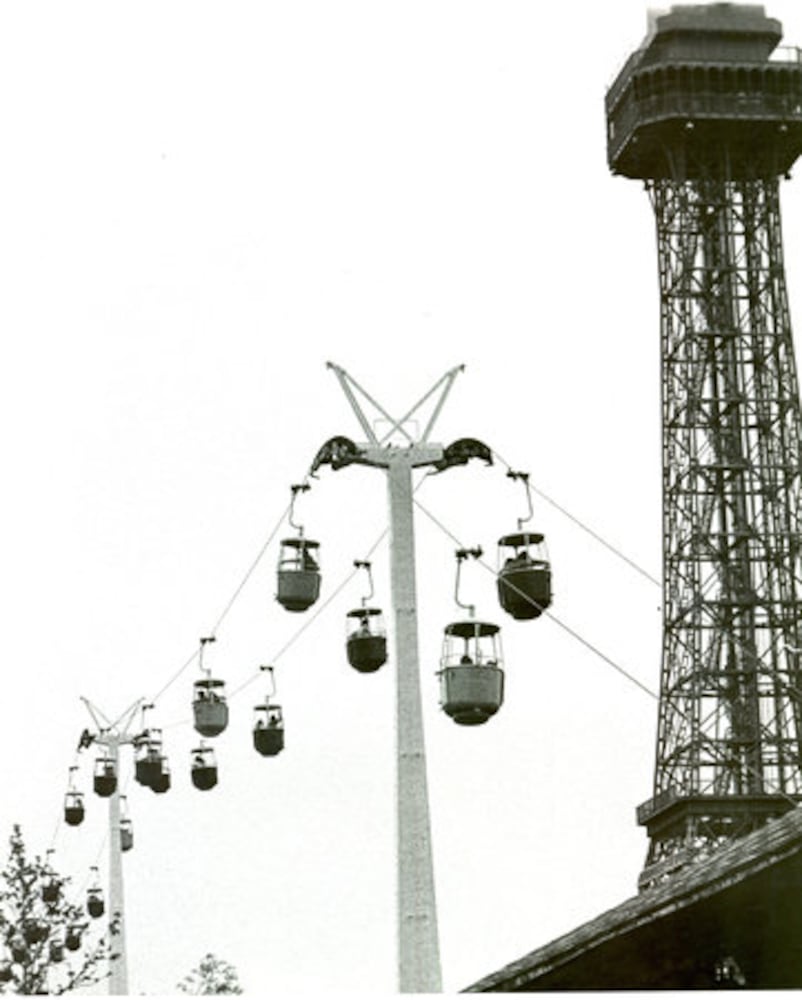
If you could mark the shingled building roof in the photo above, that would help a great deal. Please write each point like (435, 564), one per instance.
(733, 919)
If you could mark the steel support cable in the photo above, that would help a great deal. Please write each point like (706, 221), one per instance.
(313, 617)
(221, 618)
(571, 631)
(586, 528)
(319, 610)
(712, 748)
(191, 659)
(750, 656)
(297, 634)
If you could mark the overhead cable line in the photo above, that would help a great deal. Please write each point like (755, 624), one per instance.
(221, 618)
(550, 614)
(313, 617)
(594, 534)
(711, 745)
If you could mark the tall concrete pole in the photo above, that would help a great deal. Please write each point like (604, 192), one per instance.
(418, 947)
(112, 735)
(118, 964)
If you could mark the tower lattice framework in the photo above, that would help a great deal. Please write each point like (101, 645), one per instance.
(708, 117)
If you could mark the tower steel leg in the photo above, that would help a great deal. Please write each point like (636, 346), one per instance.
(729, 737)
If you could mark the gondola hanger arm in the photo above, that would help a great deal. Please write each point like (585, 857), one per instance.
(524, 477)
(269, 671)
(462, 555)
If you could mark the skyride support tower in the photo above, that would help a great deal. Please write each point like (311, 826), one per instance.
(708, 113)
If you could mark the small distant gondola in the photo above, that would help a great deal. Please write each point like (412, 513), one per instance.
(74, 808)
(268, 724)
(73, 802)
(105, 779)
(204, 768)
(95, 906)
(209, 702)
(126, 826)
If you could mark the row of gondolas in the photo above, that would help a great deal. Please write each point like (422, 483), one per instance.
(36, 930)
(471, 668)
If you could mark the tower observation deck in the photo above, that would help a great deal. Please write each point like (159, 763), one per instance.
(708, 112)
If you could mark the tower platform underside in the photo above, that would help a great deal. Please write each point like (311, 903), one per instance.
(671, 120)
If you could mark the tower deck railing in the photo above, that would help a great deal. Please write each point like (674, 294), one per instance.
(783, 54)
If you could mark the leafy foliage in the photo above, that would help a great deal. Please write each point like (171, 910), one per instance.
(212, 976)
(45, 946)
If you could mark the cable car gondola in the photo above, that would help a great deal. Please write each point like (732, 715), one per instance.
(298, 574)
(126, 835)
(204, 768)
(72, 941)
(524, 577)
(51, 890)
(268, 726)
(161, 782)
(524, 572)
(51, 887)
(471, 677)
(209, 702)
(298, 583)
(126, 826)
(73, 803)
(105, 780)
(149, 761)
(56, 951)
(74, 808)
(95, 906)
(366, 642)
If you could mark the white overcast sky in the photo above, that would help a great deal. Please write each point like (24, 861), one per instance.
(201, 204)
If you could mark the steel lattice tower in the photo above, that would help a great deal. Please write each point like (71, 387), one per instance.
(708, 112)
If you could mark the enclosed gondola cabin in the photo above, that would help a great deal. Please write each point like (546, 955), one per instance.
(74, 808)
(471, 678)
(160, 783)
(268, 730)
(366, 642)
(204, 769)
(209, 706)
(72, 940)
(105, 780)
(56, 951)
(95, 906)
(298, 585)
(126, 834)
(524, 575)
(51, 890)
(148, 763)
